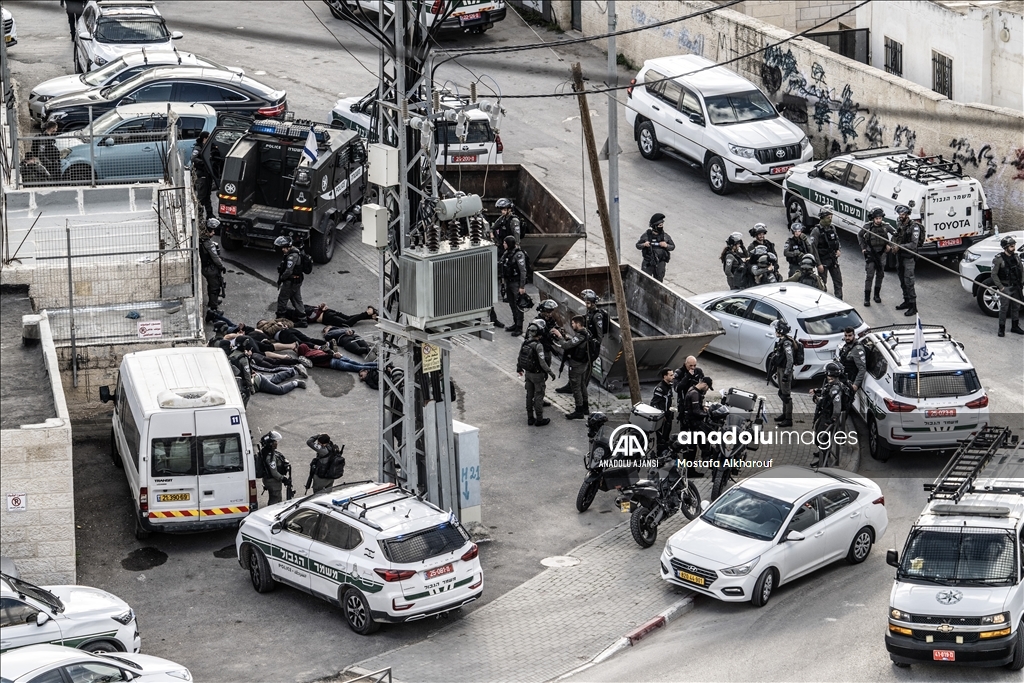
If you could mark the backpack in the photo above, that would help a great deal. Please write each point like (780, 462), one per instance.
(331, 467)
(307, 263)
(528, 360)
(798, 351)
(260, 470)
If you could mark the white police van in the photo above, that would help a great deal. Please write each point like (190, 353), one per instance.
(958, 597)
(180, 434)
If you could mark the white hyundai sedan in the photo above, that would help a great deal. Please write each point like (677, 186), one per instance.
(775, 527)
(748, 316)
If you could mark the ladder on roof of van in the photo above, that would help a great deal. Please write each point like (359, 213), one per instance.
(957, 478)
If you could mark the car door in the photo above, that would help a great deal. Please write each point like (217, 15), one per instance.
(18, 626)
(291, 548)
(138, 149)
(173, 471)
(330, 556)
(189, 128)
(828, 185)
(757, 336)
(731, 312)
(221, 451)
(689, 135)
(799, 557)
(843, 518)
(86, 26)
(662, 106)
(853, 196)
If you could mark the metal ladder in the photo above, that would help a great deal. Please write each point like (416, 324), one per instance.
(957, 478)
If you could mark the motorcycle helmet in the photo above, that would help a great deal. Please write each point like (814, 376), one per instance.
(717, 412)
(782, 327)
(547, 305)
(807, 261)
(758, 229)
(797, 227)
(595, 420)
(283, 241)
(876, 212)
(734, 239)
(834, 369)
(212, 224)
(758, 251)
(902, 210)
(524, 302)
(1007, 241)
(590, 296)
(503, 203)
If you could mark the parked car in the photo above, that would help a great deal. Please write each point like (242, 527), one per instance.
(114, 72)
(747, 316)
(712, 119)
(950, 205)
(108, 29)
(918, 408)
(10, 27)
(77, 616)
(56, 664)
(466, 15)
(378, 551)
(976, 269)
(221, 89)
(774, 527)
(129, 144)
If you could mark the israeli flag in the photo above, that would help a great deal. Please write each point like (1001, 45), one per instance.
(309, 149)
(920, 353)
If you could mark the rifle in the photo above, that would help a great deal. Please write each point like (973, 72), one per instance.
(288, 482)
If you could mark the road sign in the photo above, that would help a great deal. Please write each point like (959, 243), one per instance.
(431, 358)
(150, 329)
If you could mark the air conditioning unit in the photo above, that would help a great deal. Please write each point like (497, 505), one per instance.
(449, 285)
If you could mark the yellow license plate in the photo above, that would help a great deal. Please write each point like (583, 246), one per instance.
(172, 497)
(626, 506)
(692, 578)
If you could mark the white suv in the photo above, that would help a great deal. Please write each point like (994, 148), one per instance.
(714, 119)
(976, 269)
(376, 550)
(111, 28)
(910, 411)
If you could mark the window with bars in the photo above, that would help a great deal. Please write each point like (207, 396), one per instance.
(893, 57)
(942, 74)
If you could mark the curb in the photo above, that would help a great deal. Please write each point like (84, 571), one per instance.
(667, 616)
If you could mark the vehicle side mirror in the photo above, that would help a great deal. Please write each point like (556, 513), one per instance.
(704, 505)
(812, 174)
(177, 35)
(276, 527)
(892, 558)
(127, 100)
(85, 35)
(128, 675)
(696, 119)
(42, 618)
(106, 396)
(106, 142)
(795, 536)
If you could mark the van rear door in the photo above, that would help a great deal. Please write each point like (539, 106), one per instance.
(951, 213)
(173, 491)
(223, 463)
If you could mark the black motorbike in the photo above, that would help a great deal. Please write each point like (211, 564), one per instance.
(740, 411)
(599, 477)
(665, 493)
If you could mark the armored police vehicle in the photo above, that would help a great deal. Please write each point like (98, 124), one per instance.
(265, 192)
(950, 205)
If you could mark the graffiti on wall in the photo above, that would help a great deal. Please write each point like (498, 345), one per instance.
(694, 44)
(964, 152)
(1017, 162)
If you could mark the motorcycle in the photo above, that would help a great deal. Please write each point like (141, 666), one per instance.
(659, 497)
(739, 411)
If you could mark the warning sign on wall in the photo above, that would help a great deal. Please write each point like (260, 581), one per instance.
(150, 329)
(17, 502)
(431, 358)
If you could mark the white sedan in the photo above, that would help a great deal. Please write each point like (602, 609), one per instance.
(748, 316)
(772, 528)
(48, 663)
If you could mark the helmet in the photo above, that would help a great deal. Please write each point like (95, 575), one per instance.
(717, 412)
(824, 211)
(807, 260)
(595, 420)
(797, 226)
(536, 328)
(876, 212)
(590, 296)
(656, 219)
(763, 260)
(834, 369)
(212, 223)
(283, 241)
(902, 209)
(758, 229)
(782, 327)
(503, 203)
(270, 436)
(524, 302)
(734, 239)
(547, 305)
(759, 251)
(1007, 241)
(511, 241)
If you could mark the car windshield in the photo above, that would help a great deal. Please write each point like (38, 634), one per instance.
(479, 131)
(960, 556)
(748, 513)
(116, 30)
(104, 73)
(831, 323)
(41, 594)
(425, 544)
(724, 110)
(936, 384)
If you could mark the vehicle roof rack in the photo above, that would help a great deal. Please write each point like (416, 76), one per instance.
(292, 130)
(958, 477)
(874, 152)
(928, 169)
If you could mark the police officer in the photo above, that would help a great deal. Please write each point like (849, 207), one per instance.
(514, 272)
(764, 270)
(826, 241)
(734, 261)
(575, 348)
(552, 333)
(853, 359)
(289, 279)
(1008, 277)
(276, 468)
(598, 325)
(760, 234)
(212, 267)
(693, 415)
(873, 241)
(807, 274)
(909, 238)
(796, 247)
(506, 224)
(828, 409)
(685, 378)
(656, 247)
(662, 400)
(202, 177)
(531, 363)
(321, 464)
(783, 361)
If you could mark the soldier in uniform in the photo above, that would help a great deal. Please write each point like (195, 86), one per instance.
(514, 273)
(212, 267)
(656, 247)
(598, 325)
(734, 263)
(807, 274)
(783, 360)
(289, 279)
(532, 364)
(826, 241)
(873, 241)
(853, 359)
(828, 409)
(760, 234)
(796, 247)
(202, 177)
(326, 452)
(576, 349)
(1008, 277)
(506, 224)
(277, 470)
(909, 238)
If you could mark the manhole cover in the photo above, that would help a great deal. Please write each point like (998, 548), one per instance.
(560, 561)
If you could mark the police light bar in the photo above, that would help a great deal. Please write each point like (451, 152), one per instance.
(291, 130)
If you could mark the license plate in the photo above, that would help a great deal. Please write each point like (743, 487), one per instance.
(944, 655)
(942, 412)
(172, 497)
(780, 169)
(463, 158)
(955, 242)
(692, 578)
(469, 17)
(626, 506)
(439, 571)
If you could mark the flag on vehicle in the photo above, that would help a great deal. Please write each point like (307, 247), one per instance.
(309, 149)
(920, 353)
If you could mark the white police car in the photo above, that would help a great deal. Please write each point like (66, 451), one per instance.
(976, 269)
(375, 549)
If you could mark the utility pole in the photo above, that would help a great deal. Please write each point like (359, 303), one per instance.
(606, 228)
(613, 130)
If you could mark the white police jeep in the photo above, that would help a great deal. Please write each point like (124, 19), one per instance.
(375, 549)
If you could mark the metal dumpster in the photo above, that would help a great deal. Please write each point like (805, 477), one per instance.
(549, 228)
(666, 329)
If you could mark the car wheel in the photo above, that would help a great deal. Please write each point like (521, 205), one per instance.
(77, 174)
(988, 300)
(718, 176)
(141, 534)
(357, 612)
(586, 495)
(796, 210)
(321, 244)
(860, 546)
(900, 665)
(644, 533)
(100, 647)
(259, 571)
(334, 9)
(763, 588)
(1017, 663)
(647, 141)
(880, 450)
(114, 454)
(230, 243)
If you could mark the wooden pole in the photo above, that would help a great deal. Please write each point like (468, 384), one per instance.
(609, 241)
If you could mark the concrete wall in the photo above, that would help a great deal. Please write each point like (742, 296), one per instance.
(843, 105)
(35, 460)
(799, 15)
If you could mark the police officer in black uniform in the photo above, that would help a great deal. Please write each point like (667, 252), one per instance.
(1007, 277)
(796, 247)
(202, 176)
(514, 272)
(853, 359)
(506, 224)
(656, 247)
(686, 378)
(575, 350)
(765, 269)
(828, 409)
(212, 267)
(873, 241)
(598, 324)
(552, 332)
(826, 241)
(909, 238)
(532, 364)
(783, 361)
(734, 263)
(289, 280)
(693, 414)
(760, 234)
(276, 468)
(662, 400)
